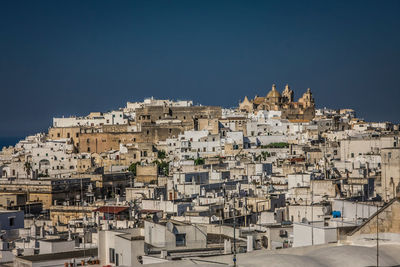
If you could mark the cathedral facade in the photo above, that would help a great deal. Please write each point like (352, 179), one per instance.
(303, 109)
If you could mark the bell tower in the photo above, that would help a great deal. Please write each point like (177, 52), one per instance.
(287, 95)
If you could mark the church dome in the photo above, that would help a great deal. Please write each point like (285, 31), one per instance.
(273, 93)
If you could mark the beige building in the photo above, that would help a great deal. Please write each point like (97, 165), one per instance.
(303, 109)
(146, 174)
(64, 214)
(388, 224)
(390, 172)
(47, 191)
(353, 147)
(102, 142)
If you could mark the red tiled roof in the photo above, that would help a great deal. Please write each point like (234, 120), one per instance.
(111, 209)
(297, 159)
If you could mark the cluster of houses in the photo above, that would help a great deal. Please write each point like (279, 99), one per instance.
(167, 182)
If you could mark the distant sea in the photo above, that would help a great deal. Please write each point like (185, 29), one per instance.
(9, 141)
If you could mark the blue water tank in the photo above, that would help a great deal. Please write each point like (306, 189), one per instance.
(336, 214)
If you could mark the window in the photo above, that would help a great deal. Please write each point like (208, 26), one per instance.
(58, 134)
(180, 240)
(112, 255)
(352, 155)
(11, 221)
(116, 259)
(68, 135)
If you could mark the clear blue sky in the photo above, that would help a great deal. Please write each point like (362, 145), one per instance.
(72, 57)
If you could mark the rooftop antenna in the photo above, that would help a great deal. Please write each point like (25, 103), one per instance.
(377, 235)
(234, 231)
(312, 211)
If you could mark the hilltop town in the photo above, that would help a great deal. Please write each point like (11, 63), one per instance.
(169, 182)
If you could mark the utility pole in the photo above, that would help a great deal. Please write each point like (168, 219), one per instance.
(356, 219)
(312, 212)
(245, 211)
(234, 232)
(377, 236)
(220, 230)
(341, 215)
(83, 225)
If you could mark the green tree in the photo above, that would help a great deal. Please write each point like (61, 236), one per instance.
(162, 167)
(132, 168)
(265, 155)
(276, 145)
(161, 154)
(199, 161)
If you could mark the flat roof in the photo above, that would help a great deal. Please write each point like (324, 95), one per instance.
(61, 255)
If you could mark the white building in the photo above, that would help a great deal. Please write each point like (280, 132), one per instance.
(93, 119)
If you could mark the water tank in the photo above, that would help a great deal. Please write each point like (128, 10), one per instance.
(336, 214)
